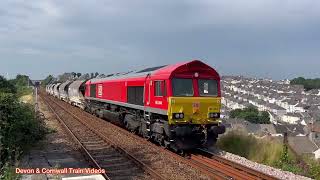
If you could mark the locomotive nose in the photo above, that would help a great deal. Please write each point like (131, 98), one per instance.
(196, 110)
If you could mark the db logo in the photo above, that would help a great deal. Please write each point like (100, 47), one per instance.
(196, 105)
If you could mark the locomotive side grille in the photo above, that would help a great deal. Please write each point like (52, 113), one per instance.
(135, 95)
(93, 90)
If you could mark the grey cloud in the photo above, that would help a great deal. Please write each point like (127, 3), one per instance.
(279, 39)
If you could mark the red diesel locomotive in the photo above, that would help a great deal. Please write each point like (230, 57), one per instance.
(177, 105)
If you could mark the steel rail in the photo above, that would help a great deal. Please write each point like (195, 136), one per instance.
(231, 172)
(75, 138)
(250, 171)
(126, 153)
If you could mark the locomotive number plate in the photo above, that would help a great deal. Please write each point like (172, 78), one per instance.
(100, 90)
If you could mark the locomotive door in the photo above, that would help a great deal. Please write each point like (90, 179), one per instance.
(146, 98)
(147, 91)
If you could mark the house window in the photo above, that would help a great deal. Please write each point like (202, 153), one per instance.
(159, 88)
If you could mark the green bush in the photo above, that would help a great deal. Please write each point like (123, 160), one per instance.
(248, 146)
(236, 142)
(19, 127)
(24, 90)
(252, 115)
(6, 86)
(314, 168)
(9, 173)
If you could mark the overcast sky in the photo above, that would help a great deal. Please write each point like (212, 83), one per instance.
(259, 38)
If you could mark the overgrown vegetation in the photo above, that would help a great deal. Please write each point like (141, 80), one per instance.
(6, 86)
(19, 86)
(9, 173)
(252, 115)
(307, 83)
(250, 147)
(19, 128)
(269, 152)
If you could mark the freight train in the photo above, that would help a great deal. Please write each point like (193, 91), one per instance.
(177, 106)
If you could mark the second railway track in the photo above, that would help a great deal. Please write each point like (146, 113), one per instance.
(99, 150)
(230, 169)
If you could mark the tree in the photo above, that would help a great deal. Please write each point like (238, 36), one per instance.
(78, 75)
(6, 86)
(96, 74)
(21, 80)
(49, 79)
(73, 74)
(66, 76)
(235, 113)
(252, 115)
(85, 76)
(264, 118)
(307, 83)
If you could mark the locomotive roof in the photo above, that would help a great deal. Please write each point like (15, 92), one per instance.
(136, 73)
(163, 70)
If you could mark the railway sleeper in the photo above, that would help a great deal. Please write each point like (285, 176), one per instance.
(117, 166)
(93, 142)
(125, 177)
(98, 148)
(133, 171)
(97, 145)
(103, 152)
(106, 156)
(112, 160)
(90, 139)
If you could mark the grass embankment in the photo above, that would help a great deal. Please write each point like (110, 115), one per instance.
(269, 152)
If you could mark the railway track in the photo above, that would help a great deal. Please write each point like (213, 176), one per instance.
(207, 162)
(233, 170)
(100, 150)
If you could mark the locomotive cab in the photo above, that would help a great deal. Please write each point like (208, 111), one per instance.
(192, 98)
(194, 112)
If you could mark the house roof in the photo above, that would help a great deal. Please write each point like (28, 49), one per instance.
(300, 105)
(301, 144)
(276, 107)
(293, 114)
(291, 129)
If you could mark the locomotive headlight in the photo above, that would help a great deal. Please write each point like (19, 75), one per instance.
(181, 115)
(178, 115)
(214, 115)
(210, 115)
